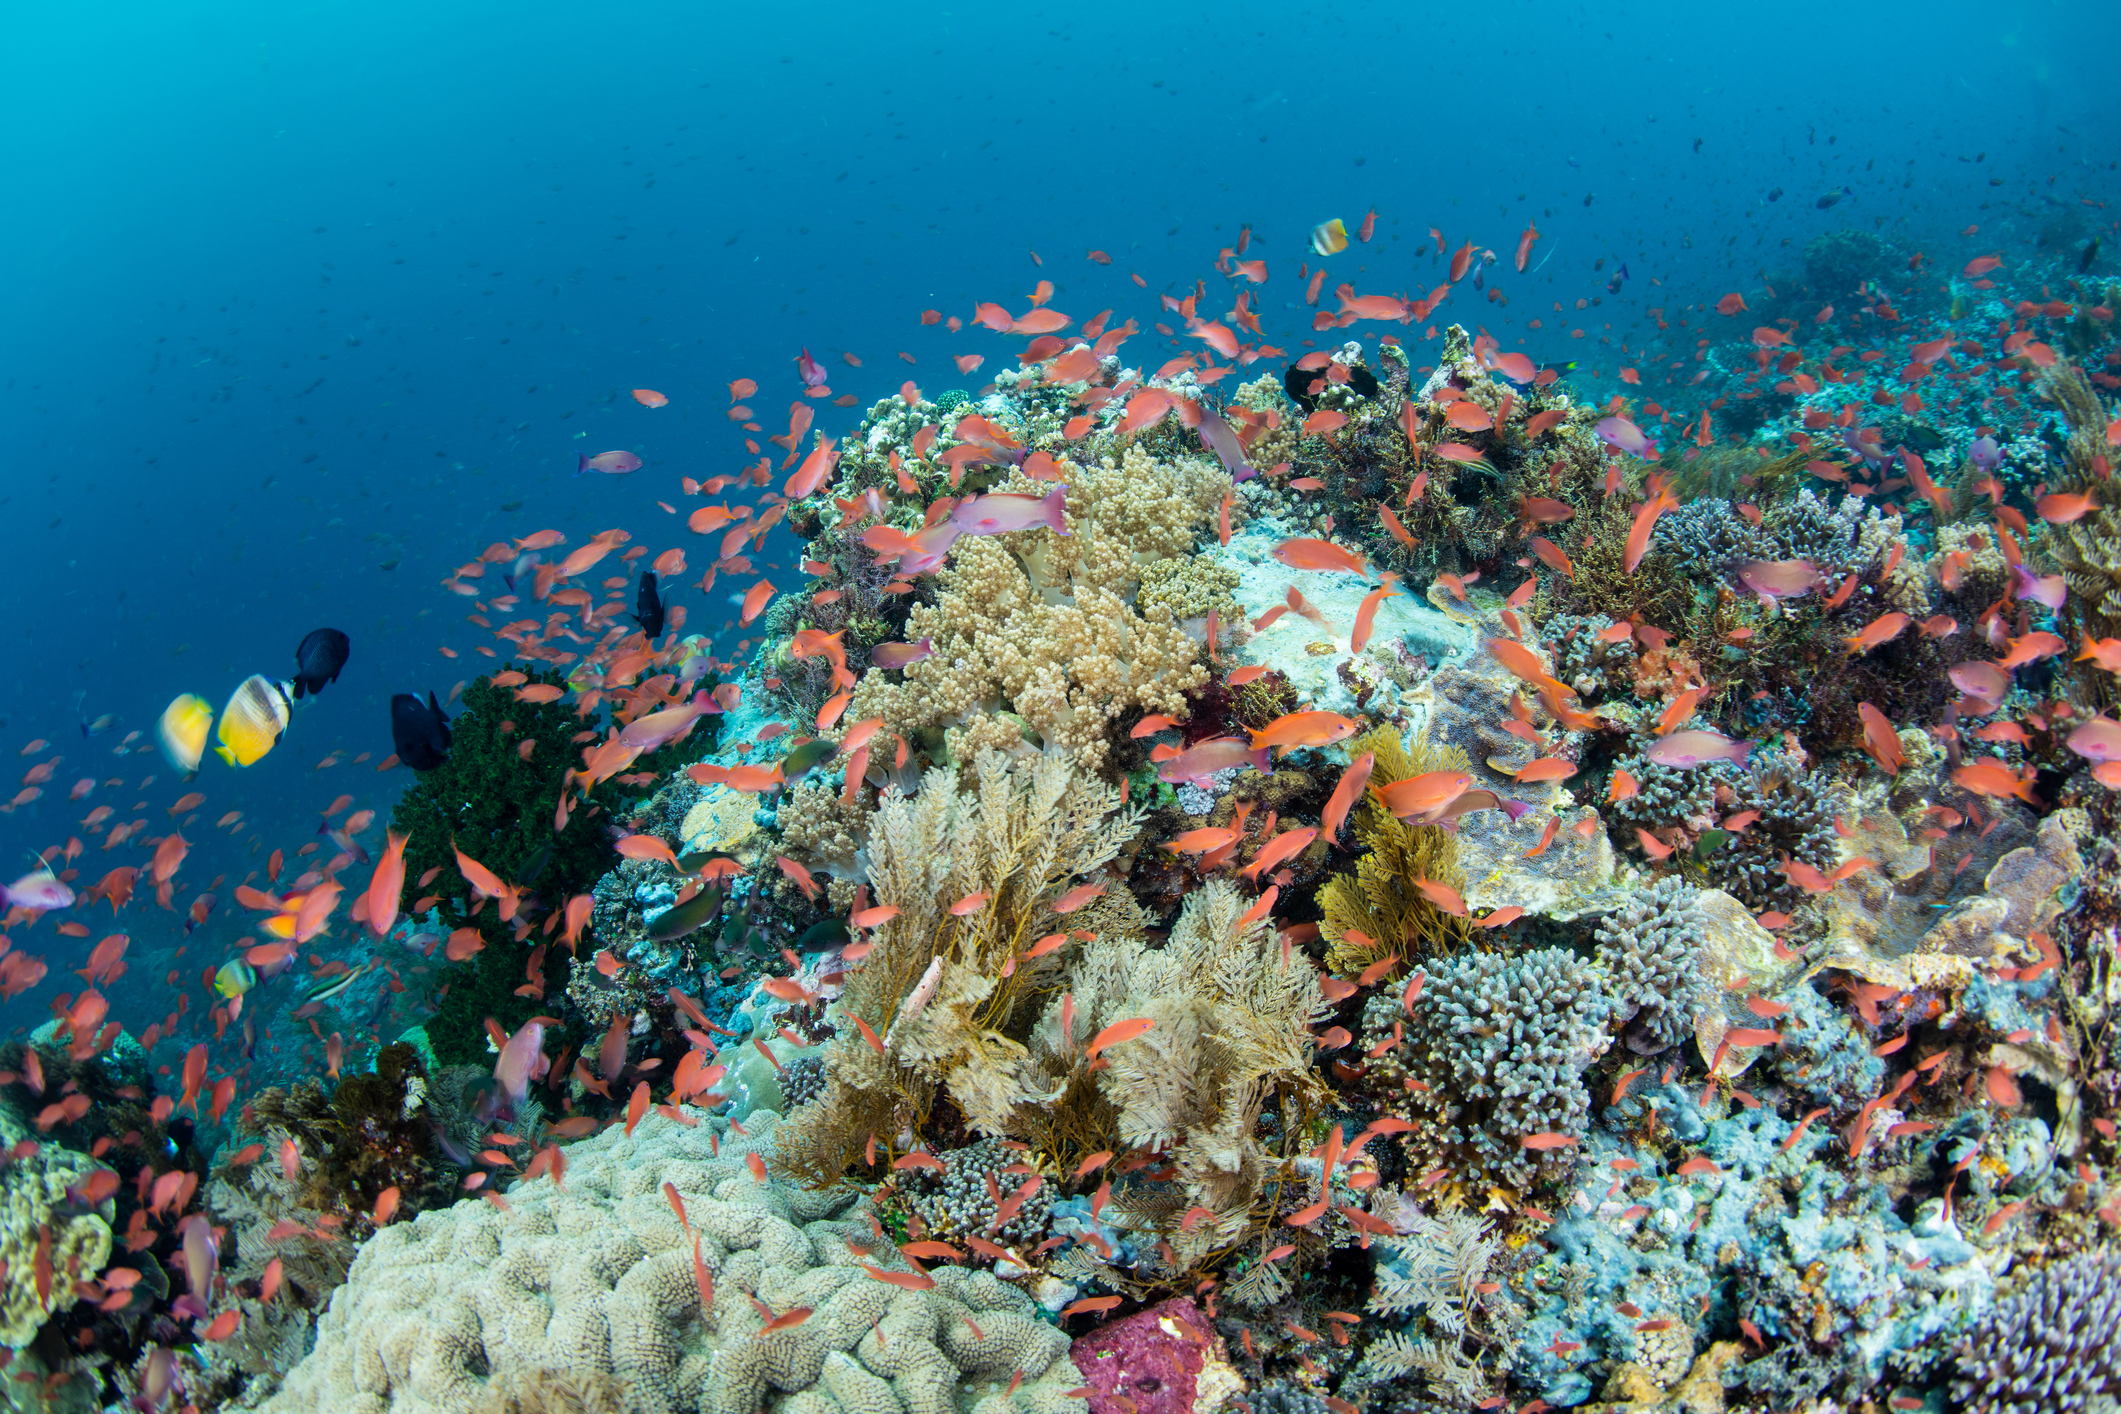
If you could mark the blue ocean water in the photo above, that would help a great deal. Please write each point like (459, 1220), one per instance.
(309, 304)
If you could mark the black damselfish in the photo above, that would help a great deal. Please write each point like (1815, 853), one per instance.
(419, 731)
(318, 660)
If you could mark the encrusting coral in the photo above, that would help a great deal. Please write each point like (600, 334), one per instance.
(601, 1275)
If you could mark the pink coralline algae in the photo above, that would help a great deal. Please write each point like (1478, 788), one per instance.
(1154, 1358)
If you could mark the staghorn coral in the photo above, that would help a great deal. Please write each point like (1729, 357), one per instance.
(1595, 669)
(945, 991)
(1040, 637)
(958, 1201)
(1499, 1045)
(2051, 1346)
(596, 1278)
(1379, 899)
(1650, 951)
(1685, 806)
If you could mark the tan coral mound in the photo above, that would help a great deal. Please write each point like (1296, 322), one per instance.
(1045, 632)
(465, 1309)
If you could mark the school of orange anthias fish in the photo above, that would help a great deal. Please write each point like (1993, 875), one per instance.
(1344, 876)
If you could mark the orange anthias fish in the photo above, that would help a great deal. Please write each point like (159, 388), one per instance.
(1301, 729)
(1880, 740)
(1426, 794)
(1307, 554)
(1883, 629)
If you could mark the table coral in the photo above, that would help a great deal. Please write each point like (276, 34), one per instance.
(446, 1313)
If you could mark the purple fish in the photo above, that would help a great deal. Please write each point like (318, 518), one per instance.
(1686, 750)
(1984, 681)
(1222, 441)
(520, 1061)
(1985, 453)
(900, 655)
(2097, 740)
(1779, 579)
(934, 543)
(159, 1377)
(2048, 590)
(1200, 761)
(610, 463)
(1621, 433)
(524, 566)
(202, 1256)
(813, 374)
(40, 891)
(1002, 512)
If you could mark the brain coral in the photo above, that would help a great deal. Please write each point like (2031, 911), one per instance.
(594, 1275)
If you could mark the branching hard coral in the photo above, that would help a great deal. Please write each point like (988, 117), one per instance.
(1377, 910)
(948, 994)
(1039, 637)
(2051, 1346)
(959, 1202)
(1650, 951)
(1685, 808)
(1498, 1045)
(1594, 667)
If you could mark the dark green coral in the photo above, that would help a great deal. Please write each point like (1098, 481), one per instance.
(497, 805)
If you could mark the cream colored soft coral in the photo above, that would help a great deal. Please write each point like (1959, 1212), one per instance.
(1037, 634)
(594, 1276)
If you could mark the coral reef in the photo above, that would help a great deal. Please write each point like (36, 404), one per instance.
(605, 1278)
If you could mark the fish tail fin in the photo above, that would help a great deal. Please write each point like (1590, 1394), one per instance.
(1057, 508)
(581, 463)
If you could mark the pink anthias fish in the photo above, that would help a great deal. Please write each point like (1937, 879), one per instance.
(1465, 803)
(2041, 589)
(1003, 512)
(2097, 740)
(1983, 681)
(521, 1061)
(659, 729)
(39, 891)
(1779, 579)
(1222, 440)
(811, 372)
(610, 463)
(1621, 433)
(1686, 750)
(1200, 761)
(901, 655)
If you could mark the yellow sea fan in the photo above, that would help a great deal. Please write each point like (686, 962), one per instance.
(1378, 898)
